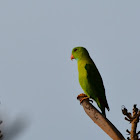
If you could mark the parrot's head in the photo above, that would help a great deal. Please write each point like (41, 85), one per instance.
(79, 53)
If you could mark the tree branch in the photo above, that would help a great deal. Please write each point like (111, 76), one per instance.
(133, 119)
(101, 121)
(1, 135)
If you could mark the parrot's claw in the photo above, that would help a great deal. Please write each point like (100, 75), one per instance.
(91, 101)
(83, 99)
(81, 95)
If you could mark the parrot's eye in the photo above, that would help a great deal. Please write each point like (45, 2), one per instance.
(75, 50)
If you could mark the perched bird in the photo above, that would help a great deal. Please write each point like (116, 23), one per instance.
(90, 78)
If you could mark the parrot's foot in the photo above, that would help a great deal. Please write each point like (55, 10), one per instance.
(81, 100)
(81, 95)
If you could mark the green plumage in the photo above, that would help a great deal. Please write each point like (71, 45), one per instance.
(90, 78)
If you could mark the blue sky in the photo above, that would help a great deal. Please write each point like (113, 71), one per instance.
(38, 81)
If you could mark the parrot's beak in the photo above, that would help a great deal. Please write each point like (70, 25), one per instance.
(72, 57)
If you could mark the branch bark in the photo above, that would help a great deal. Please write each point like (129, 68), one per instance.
(101, 121)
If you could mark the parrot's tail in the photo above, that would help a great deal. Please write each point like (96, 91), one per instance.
(103, 111)
(102, 105)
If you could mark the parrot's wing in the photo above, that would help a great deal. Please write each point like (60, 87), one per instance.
(94, 78)
(96, 81)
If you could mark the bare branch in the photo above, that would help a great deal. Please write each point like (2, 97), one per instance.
(101, 121)
(133, 119)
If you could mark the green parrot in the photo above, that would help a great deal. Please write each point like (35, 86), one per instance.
(90, 78)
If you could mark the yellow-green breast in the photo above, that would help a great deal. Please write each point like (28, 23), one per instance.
(86, 86)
